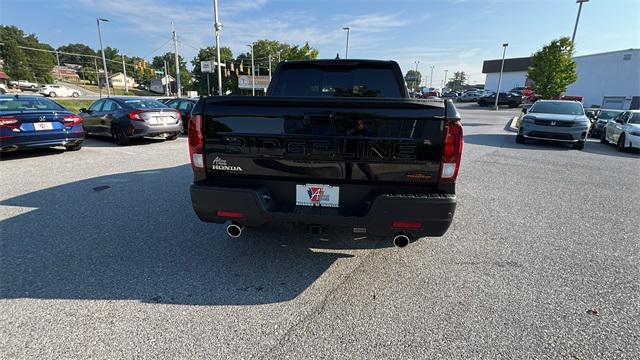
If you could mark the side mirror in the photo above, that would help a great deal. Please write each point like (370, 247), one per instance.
(83, 110)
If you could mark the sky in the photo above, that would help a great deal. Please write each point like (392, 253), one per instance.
(455, 35)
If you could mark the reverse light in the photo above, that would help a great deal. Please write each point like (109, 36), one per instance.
(9, 122)
(452, 151)
(196, 142)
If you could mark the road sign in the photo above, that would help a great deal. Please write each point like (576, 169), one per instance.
(206, 66)
(159, 72)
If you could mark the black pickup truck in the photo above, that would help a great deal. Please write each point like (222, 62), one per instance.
(333, 143)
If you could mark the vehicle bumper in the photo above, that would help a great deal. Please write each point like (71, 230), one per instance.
(565, 134)
(434, 211)
(11, 144)
(145, 130)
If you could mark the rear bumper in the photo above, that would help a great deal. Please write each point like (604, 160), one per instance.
(434, 211)
(145, 130)
(11, 144)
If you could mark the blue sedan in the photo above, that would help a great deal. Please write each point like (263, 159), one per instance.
(37, 122)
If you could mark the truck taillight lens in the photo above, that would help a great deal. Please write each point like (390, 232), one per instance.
(452, 151)
(9, 122)
(72, 120)
(196, 143)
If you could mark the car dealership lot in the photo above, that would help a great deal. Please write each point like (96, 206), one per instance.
(101, 255)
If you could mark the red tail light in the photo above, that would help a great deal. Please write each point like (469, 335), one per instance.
(9, 122)
(406, 225)
(72, 120)
(179, 115)
(452, 152)
(196, 142)
(229, 214)
(135, 115)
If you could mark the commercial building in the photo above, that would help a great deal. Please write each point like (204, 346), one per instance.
(609, 80)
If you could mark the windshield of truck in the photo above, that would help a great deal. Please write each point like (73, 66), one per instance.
(337, 81)
(563, 108)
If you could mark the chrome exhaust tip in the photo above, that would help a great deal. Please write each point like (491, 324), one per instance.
(234, 230)
(400, 240)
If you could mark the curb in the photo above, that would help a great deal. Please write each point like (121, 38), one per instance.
(512, 124)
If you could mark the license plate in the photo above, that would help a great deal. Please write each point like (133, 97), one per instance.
(159, 120)
(317, 195)
(43, 126)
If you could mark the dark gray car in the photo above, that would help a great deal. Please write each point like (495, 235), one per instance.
(125, 118)
(557, 120)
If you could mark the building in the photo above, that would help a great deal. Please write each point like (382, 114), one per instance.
(64, 72)
(608, 80)
(158, 85)
(117, 80)
(245, 84)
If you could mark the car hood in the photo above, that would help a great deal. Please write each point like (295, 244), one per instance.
(559, 117)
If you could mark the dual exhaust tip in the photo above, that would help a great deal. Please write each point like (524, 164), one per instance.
(234, 230)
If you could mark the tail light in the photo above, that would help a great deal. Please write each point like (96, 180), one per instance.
(406, 225)
(9, 122)
(72, 120)
(229, 214)
(179, 115)
(452, 152)
(196, 143)
(135, 115)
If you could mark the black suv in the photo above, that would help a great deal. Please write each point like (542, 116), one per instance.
(506, 98)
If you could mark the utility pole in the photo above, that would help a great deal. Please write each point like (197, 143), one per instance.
(431, 80)
(57, 58)
(175, 46)
(269, 67)
(126, 82)
(415, 82)
(104, 60)
(218, 27)
(279, 56)
(346, 52)
(504, 51)
(166, 79)
(445, 79)
(575, 28)
(253, 73)
(95, 63)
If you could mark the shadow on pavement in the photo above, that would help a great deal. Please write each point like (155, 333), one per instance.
(134, 236)
(96, 141)
(509, 141)
(29, 153)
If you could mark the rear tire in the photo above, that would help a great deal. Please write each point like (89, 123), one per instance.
(75, 94)
(620, 146)
(52, 94)
(75, 147)
(579, 145)
(119, 137)
(520, 139)
(603, 137)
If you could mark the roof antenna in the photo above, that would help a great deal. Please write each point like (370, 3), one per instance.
(337, 56)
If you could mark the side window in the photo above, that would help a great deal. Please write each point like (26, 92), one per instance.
(110, 105)
(185, 106)
(96, 105)
(172, 104)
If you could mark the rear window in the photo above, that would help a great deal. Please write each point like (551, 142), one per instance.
(607, 114)
(22, 104)
(337, 81)
(144, 104)
(563, 108)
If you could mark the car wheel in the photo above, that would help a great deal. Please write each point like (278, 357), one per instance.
(75, 94)
(603, 137)
(621, 142)
(119, 137)
(579, 145)
(482, 103)
(52, 94)
(172, 137)
(33, 86)
(75, 147)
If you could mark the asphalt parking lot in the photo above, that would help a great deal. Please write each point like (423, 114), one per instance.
(101, 256)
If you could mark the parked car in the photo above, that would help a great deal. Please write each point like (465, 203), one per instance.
(184, 105)
(58, 90)
(470, 96)
(623, 130)
(125, 118)
(450, 95)
(510, 99)
(602, 118)
(557, 120)
(24, 84)
(35, 122)
(333, 142)
(165, 99)
(3, 89)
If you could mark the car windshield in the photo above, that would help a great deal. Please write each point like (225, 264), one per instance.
(144, 104)
(30, 104)
(635, 119)
(607, 114)
(564, 108)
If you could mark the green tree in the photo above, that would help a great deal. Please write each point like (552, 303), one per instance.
(185, 74)
(87, 62)
(552, 69)
(25, 64)
(262, 49)
(200, 79)
(458, 80)
(413, 79)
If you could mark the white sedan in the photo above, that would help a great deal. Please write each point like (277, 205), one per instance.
(58, 90)
(623, 130)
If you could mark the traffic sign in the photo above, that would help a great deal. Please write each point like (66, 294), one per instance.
(206, 66)
(159, 72)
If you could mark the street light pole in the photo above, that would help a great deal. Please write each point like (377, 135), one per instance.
(415, 82)
(175, 46)
(253, 73)
(218, 27)
(346, 52)
(504, 51)
(431, 80)
(444, 82)
(104, 60)
(575, 28)
(124, 69)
